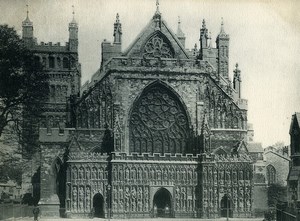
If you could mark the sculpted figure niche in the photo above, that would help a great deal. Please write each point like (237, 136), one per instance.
(158, 123)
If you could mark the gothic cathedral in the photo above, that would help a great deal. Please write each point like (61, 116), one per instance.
(160, 131)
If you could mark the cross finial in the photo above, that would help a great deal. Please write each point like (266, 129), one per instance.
(157, 5)
(73, 11)
(117, 17)
(203, 24)
(27, 10)
(178, 19)
(222, 24)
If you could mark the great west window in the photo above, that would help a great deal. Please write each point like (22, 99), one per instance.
(158, 123)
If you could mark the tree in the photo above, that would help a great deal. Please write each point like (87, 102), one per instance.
(276, 192)
(23, 85)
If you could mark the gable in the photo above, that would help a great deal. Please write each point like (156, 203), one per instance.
(156, 41)
(243, 148)
(74, 144)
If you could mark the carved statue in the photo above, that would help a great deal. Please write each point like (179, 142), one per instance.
(241, 176)
(74, 197)
(152, 174)
(81, 198)
(140, 174)
(146, 205)
(165, 174)
(127, 173)
(87, 173)
(88, 197)
(81, 173)
(74, 173)
(158, 174)
(140, 193)
(94, 173)
(140, 205)
(133, 172)
(146, 192)
(101, 173)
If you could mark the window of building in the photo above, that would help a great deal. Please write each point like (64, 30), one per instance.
(51, 62)
(65, 63)
(159, 123)
(271, 174)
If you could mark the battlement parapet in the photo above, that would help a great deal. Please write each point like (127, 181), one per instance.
(49, 46)
(149, 157)
(53, 135)
(162, 64)
(212, 158)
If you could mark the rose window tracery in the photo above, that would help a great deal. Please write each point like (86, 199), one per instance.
(158, 47)
(158, 123)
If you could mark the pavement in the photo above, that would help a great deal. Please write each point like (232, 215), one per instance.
(141, 219)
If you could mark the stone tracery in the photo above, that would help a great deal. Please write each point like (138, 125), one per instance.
(158, 47)
(158, 123)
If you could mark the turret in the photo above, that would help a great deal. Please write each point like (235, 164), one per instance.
(73, 34)
(203, 36)
(295, 139)
(117, 31)
(109, 50)
(180, 34)
(27, 30)
(223, 51)
(237, 80)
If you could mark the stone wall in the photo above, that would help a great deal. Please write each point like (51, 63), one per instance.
(281, 165)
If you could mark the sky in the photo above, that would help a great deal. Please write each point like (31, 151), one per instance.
(264, 40)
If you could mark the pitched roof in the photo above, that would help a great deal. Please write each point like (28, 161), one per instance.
(151, 28)
(295, 119)
(255, 147)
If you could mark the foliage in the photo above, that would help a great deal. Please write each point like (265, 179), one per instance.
(23, 86)
(11, 171)
(270, 214)
(276, 192)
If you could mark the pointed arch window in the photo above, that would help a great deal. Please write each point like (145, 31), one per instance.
(158, 123)
(271, 174)
(158, 46)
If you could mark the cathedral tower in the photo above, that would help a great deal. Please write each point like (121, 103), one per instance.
(27, 30)
(73, 34)
(223, 51)
(203, 38)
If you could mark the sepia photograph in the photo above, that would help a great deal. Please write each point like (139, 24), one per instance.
(150, 110)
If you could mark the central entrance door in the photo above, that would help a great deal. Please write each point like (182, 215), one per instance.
(98, 205)
(226, 206)
(162, 203)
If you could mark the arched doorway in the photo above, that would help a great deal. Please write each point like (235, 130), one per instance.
(226, 206)
(162, 203)
(98, 205)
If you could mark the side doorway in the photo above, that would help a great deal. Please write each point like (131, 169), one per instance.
(98, 206)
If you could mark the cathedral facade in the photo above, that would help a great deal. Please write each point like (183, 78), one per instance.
(160, 131)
